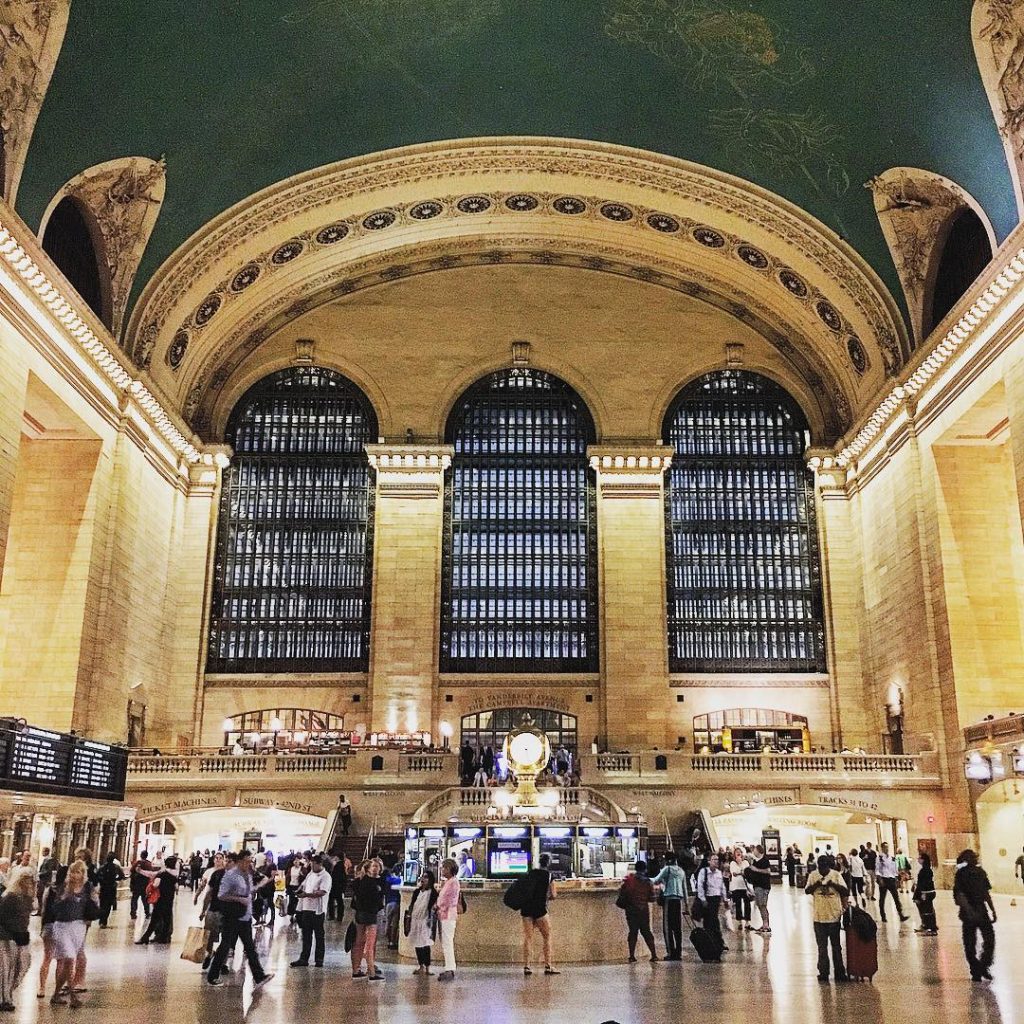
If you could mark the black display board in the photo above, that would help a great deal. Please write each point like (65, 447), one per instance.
(40, 761)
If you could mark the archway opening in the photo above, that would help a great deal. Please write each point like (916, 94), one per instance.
(1000, 811)
(70, 242)
(965, 255)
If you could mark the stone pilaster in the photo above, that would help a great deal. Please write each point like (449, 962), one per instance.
(631, 559)
(854, 720)
(408, 522)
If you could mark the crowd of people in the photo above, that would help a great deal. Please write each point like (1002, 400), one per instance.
(238, 893)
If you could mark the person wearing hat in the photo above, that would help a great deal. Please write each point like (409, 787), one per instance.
(972, 893)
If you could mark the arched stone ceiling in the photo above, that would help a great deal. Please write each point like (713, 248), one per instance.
(360, 223)
(809, 100)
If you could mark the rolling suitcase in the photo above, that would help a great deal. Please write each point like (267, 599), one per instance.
(708, 946)
(861, 955)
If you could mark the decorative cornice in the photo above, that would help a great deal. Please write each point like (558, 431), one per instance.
(1003, 282)
(629, 470)
(409, 470)
(23, 255)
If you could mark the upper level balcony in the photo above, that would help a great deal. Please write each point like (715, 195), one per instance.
(380, 767)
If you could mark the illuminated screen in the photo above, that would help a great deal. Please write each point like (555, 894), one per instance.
(507, 857)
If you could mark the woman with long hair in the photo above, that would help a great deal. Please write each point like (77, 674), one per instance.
(64, 914)
(367, 902)
(422, 920)
(15, 910)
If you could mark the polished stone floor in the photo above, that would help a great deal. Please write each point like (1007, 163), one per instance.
(920, 981)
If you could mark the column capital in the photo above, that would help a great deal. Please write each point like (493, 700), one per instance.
(204, 476)
(829, 476)
(629, 470)
(409, 470)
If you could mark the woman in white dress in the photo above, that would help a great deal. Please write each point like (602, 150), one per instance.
(422, 920)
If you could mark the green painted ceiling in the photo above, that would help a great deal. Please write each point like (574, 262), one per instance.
(809, 98)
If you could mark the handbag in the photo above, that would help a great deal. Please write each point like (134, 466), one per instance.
(350, 936)
(622, 900)
(152, 891)
(90, 909)
(194, 949)
(516, 895)
(407, 922)
(463, 906)
(697, 911)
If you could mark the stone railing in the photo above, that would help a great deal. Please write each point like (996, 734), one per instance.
(312, 763)
(1006, 728)
(617, 762)
(424, 763)
(686, 769)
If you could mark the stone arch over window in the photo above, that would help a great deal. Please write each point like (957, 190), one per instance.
(72, 240)
(519, 576)
(743, 561)
(293, 568)
(939, 237)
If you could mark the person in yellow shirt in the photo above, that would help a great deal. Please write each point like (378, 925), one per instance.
(829, 891)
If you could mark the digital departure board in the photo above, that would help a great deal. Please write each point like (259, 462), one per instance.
(39, 761)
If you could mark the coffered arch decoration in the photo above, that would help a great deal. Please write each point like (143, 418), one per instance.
(916, 210)
(997, 29)
(31, 35)
(124, 197)
(360, 223)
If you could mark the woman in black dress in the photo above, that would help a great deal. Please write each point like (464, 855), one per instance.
(535, 914)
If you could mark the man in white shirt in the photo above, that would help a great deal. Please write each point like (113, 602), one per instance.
(312, 907)
(857, 874)
(711, 892)
(888, 873)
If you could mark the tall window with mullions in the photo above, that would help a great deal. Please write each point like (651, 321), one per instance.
(295, 534)
(520, 544)
(744, 571)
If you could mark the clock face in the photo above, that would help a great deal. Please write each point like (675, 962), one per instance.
(526, 748)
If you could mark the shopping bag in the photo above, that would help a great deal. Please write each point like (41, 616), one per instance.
(195, 945)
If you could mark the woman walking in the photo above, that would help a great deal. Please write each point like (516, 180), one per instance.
(738, 891)
(448, 901)
(367, 902)
(924, 897)
(65, 914)
(535, 914)
(15, 910)
(422, 920)
(109, 875)
(635, 896)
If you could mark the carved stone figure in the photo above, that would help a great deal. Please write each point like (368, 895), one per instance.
(914, 209)
(31, 34)
(124, 196)
(998, 30)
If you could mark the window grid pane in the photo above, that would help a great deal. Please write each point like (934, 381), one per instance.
(292, 572)
(744, 580)
(520, 554)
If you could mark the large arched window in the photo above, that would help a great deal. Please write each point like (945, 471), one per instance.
(68, 241)
(294, 540)
(965, 255)
(744, 578)
(520, 555)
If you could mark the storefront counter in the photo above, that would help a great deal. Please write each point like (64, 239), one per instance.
(586, 926)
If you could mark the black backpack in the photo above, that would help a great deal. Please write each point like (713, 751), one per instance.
(517, 895)
(863, 924)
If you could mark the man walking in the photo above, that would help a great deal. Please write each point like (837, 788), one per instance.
(888, 873)
(235, 895)
(829, 890)
(972, 893)
(312, 907)
(870, 858)
(672, 883)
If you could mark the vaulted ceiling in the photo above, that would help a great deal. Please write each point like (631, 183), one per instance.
(809, 100)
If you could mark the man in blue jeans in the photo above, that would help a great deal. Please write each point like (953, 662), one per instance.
(235, 896)
(673, 888)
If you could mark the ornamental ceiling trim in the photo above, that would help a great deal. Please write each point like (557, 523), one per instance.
(632, 194)
(792, 338)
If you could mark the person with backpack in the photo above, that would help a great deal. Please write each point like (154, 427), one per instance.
(924, 896)
(635, 897)
(110, 874)
(829, 891)
(972, 893)
(672, 883)
(420, 923)
(534, 913)
(138, 879)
